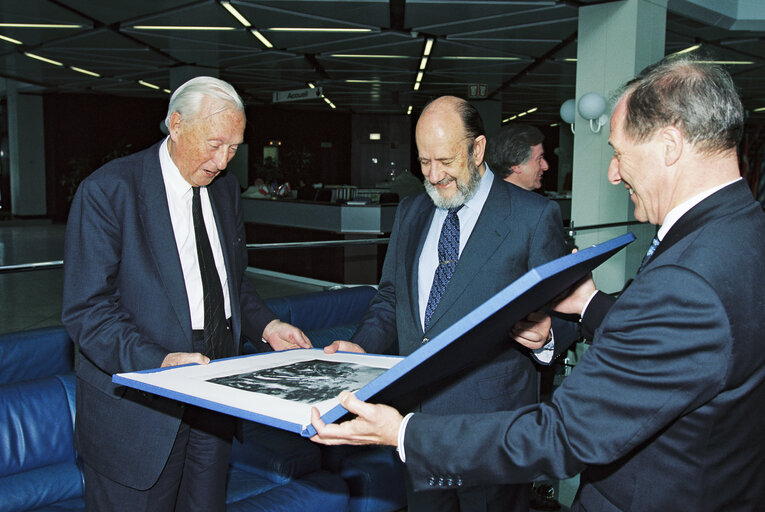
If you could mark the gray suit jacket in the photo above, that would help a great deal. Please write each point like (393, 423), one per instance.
(125, 306)
(516, 231)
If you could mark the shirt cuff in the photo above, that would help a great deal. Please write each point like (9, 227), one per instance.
(587, 304)
(401, 433)
(546, 353)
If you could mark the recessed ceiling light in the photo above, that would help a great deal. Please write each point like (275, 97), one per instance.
(11, 40)
(317, 29)
(181, 27)
(236, 14)
(38, 25)
(262, 38)
(147, 84)
(84, 71)
(37, 57)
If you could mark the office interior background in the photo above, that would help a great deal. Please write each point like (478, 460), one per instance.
(333, 90)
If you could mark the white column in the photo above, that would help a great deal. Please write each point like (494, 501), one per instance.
(615, 41)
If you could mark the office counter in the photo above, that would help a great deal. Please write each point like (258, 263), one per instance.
(285, 220)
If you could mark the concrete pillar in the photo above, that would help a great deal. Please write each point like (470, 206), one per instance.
(615, 41)
(26, 148)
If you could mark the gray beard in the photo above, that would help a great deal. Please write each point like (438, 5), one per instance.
(465, 191)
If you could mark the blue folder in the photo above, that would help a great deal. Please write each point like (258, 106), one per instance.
(449, 352)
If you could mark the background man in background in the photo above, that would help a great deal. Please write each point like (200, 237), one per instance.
(154, 268)
(664, 411)
(451, 249)
(515, 152)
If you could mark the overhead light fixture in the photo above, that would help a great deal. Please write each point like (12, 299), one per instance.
(182, 27)
(688, 50)
(168, 91)
(10, 40)
(311, 85)
(409, 110)
(374, 136)
(467, 57)
(761, 109)
(236, 14)
(149, 85)
(317, 29)
(428, 47)
(43, 59)
(38, 25)
(84, 71)
(261, 38)
(361, 81)
(591, 106)
(529, 111)
(553, 125)
(569, 60)
(367, 56)
(329, 102)
(727, 62)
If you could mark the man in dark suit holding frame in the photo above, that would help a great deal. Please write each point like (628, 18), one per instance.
(154, 276)
(664, 411)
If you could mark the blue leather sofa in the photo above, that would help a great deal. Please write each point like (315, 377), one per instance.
(270, 470)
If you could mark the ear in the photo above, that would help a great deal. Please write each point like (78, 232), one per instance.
(672, 144)
(175, 126)
(479, 147)
(514, 169)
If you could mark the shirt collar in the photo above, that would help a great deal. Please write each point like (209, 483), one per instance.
(476, 202)
(174, 182)
(678, 211)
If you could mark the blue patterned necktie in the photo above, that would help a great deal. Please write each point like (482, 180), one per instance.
(647, 257)
(448, 253)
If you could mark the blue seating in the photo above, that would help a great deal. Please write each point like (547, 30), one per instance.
(270, 469)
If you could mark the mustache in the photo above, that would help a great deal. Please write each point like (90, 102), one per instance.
(445, 181)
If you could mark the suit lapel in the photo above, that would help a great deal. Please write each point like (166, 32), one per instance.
(419, 223)
(492, 228)
(226, 225)
(721, 203)
(155, 220)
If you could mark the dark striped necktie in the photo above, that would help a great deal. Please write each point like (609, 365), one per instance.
(448, 254)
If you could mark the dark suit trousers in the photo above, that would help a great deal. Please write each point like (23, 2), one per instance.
(194, 477)
(488, 498)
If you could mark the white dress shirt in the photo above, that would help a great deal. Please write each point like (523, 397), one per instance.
(179, 195)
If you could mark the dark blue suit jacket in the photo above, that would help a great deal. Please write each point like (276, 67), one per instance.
(125, 306)
(516, 231)
(664, 411)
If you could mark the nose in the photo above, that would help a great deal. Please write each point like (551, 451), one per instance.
(221, 157)
(544, 165)
(613, 172)
(433, 172)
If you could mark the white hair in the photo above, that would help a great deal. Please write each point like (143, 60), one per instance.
(187, 99)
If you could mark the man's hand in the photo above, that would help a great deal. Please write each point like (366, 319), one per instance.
(283, 336)
(179, 358)
(374, 424)
(533, 332)
(574, 302)
(343, 346)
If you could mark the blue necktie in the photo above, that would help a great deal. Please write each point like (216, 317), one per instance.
(649, 253)
(448, 253)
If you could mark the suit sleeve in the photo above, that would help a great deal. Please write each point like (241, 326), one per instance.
(647, 367)
(377, 329)
(548, 243)
(91, 311)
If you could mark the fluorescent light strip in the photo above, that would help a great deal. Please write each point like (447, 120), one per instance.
(409, 110)
(529, 111)
(236, 14)
(688, 50)
(423, 63)
(181, 27)
(147, 84)
(49, 61)
(553, 125)
(168, 91)
(417, 86)
(367, 56)
(11, 40)
(727, 62)
(261, 38)
(316, 29)
(420, 76)
(311, 85)
(329, 102)
(463, 57)
(428, 47)
(84, 71)
(761, 109)
(37, 25)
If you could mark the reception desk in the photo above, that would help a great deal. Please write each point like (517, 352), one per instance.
(285, 220)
